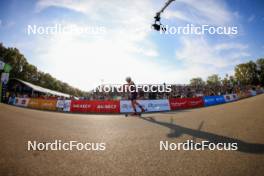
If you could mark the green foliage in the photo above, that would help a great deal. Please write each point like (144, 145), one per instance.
(197, 82)
(21, 69)
(214, 80)
(247, 74)
(250, 73)
(260, 67)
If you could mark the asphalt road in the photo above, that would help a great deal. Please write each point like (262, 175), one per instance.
(133, 144)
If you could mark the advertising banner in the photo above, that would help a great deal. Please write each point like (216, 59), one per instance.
(242, 95)
(213, 100)
(34, 103)
(185, 103)
(4, 78)
(95, 106)
(149, 105)
(48, 104)
(23, 102)
(64, 105)
(67, 106)
(60, 104)
(230, 97)
(2, 65)
(260, 91)
(253, 92)
(42, 104)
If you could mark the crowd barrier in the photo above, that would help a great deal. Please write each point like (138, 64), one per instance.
(42, 104)
(253, 92)
(230, 97)
(213, 100)
(186, 103)
(64, 105)
(242, 95)
(95, 106)
(149, 105)
(125, 106)
(23, 102)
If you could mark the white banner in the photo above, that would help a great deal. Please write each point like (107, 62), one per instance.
(67, 106)
(231, 97)
(253, 92)
(4, 78)
(2, 65)
(22, 102)
(60, 104)
(148, 105)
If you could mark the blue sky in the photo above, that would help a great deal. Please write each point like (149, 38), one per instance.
(129, 47)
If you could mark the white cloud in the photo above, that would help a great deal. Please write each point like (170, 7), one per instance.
(85, 65)
(176, 14)
(197, 50)
(230, 46)
(127, 50)
(205, 12)
(129, 21)
(124, 50)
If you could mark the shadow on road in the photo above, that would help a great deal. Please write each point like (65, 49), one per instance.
(176, 131)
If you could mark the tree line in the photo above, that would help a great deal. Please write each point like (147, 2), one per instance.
(25, 71)
(249, 73)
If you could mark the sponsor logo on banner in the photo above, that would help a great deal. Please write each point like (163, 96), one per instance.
(213, 100)
(95, 106)
(21, 102)
(48, 104)
(42, 104)
(2, 65)
(231, 97)
(259, 91)
(149, 105)
(67, 106)
(34, 103)
(242, 95)
(185, 103)
(5, 78)
(60, 104)
(253, 92)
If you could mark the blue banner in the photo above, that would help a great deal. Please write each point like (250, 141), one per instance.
(213, 100)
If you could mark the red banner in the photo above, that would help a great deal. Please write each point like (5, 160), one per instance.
(185, 103)
(95, 106)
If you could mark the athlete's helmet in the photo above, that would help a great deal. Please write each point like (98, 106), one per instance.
(128, 79)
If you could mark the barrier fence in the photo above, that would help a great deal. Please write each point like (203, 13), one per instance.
(95, 106)
(125, 106)
(149, 105)
(186, 103)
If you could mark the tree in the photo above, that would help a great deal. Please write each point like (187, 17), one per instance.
(214, 80)
(232, 80)
(197, 82)
(21, 69)
(260, 69)
(226, 80)
(247, 74)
